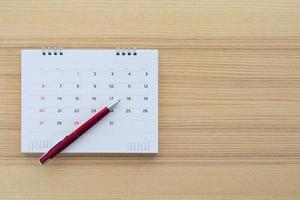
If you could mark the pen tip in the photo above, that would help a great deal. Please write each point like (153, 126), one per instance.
(113, 105)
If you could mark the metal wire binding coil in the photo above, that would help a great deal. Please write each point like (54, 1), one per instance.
(126, 52)
(55, 51)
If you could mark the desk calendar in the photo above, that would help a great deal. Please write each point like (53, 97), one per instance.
(61, 89)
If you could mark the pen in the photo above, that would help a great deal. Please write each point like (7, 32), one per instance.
(60, 146)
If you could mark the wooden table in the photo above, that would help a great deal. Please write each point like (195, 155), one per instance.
(229, 99)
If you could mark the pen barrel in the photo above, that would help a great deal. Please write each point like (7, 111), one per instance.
(60, 146)
(87, 125)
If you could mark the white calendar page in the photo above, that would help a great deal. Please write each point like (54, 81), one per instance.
(62, 90)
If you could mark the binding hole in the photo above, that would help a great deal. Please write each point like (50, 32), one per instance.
(44, 53)
(118, 53)
(55, 53)
(123, 53)
(129, 53)
(61, 53)
(134, 53)
(49, 53)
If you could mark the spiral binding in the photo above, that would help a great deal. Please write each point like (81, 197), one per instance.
(126, 52)
(55, 51)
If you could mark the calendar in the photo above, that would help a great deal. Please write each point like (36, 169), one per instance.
(61, 89)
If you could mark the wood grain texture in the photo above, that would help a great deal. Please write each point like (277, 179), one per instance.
(229, 99)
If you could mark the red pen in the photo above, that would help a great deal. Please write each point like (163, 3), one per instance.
(56, 149)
